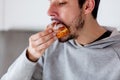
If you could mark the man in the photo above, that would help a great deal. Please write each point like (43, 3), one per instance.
(89, 52)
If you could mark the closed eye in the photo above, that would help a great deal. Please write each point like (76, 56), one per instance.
(62, 3)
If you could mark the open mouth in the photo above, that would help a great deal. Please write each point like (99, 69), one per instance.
(57, 21)
(61, 30)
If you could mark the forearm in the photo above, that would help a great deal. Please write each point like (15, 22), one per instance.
(21, 69)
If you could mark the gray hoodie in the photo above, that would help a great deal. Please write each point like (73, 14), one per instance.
(99, 60)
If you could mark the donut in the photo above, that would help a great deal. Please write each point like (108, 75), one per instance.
(61, 30)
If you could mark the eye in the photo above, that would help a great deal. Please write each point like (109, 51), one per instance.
(62, 3)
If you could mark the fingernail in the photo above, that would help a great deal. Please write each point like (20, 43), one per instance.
(54, 34)
(50, 31)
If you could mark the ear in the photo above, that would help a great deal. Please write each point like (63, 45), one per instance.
(89, 6)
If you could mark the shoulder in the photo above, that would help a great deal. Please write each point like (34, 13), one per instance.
(116, 49)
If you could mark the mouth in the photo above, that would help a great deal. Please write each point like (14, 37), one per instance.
(57, 21)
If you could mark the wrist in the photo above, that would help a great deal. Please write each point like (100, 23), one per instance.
(31, 57)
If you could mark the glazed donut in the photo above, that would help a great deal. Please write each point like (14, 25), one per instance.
(61, 30)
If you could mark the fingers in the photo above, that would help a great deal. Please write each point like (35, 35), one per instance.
(44, 39)
(46, 45)
(40, 34)
(39, 42)
(37, 50)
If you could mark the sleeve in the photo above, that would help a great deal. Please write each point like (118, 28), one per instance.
(21, 69)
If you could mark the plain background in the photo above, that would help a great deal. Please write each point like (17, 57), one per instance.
(32, 14)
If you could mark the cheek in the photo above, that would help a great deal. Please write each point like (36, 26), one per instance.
(72, 30)
(67, 16)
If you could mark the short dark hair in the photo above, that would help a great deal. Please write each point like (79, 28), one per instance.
(95, 10)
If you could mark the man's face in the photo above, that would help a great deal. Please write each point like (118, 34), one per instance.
(68, 13)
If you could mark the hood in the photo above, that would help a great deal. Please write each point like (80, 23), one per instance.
(114, 38)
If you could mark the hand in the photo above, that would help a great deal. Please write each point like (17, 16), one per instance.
(39, 42)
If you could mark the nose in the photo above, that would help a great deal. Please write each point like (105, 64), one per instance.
(52, 11)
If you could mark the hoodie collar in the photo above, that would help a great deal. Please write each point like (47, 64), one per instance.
(112, 39)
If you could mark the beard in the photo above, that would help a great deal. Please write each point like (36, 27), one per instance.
(74, 28)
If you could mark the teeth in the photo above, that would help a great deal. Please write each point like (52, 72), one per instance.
(57, 26)
(57, 22)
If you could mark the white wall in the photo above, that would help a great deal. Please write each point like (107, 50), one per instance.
(1, 14)
(109, 13)
(26, 14)
(31, 14)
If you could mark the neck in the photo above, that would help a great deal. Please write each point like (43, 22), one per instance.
(90, 32)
